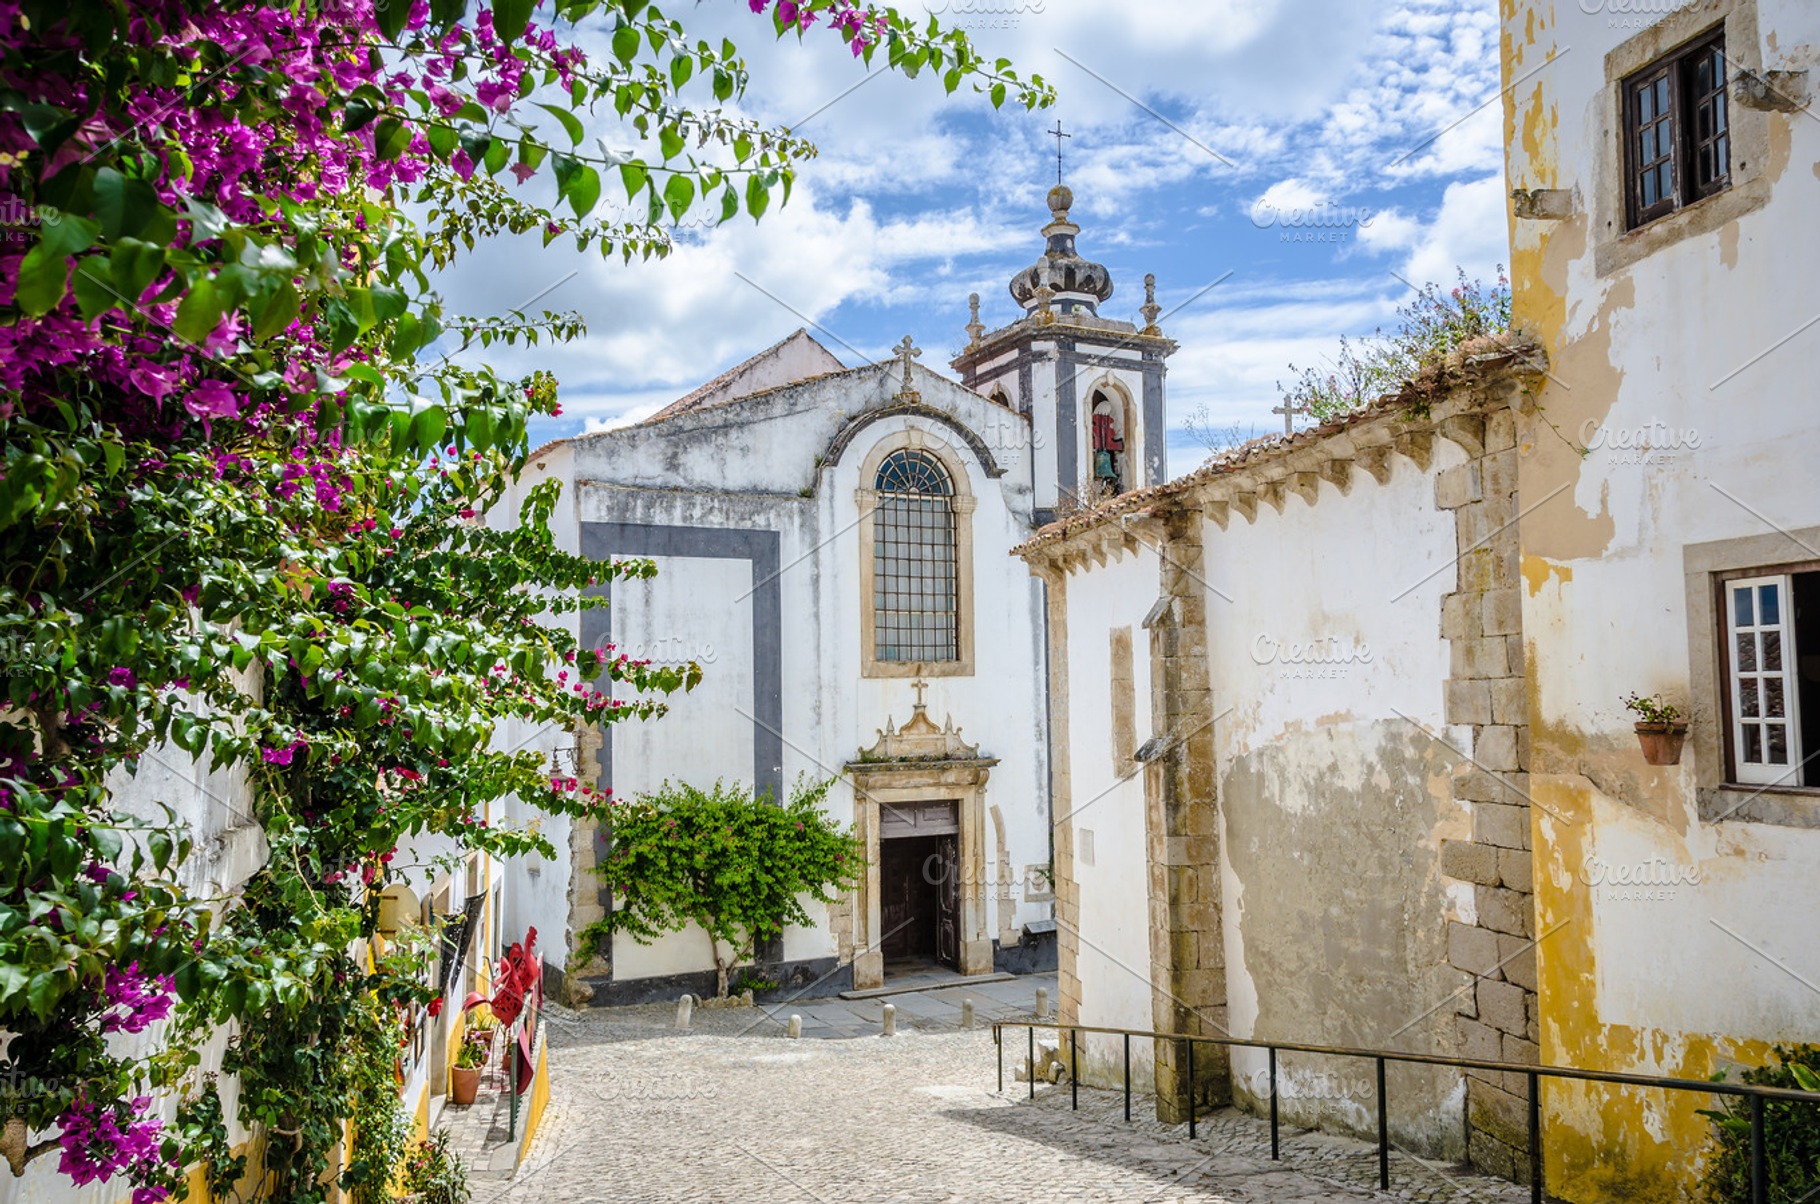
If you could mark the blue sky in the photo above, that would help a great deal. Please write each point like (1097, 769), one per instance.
(1194, 124)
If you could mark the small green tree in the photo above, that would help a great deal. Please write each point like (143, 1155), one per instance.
(735, 865)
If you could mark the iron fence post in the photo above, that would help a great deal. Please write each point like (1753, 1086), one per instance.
(1274, 1155)
(1759, 1178)
(1032, 1067)
(998, 1043)
(1535, 1138)
(1191, 1089)
(1074, 1073)
(1383, 1132)
(1127, 1076)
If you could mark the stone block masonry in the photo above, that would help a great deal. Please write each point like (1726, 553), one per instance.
(1188, 994)
(1483, 621)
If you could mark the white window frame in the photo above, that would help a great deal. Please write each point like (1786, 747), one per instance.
(1764, 773)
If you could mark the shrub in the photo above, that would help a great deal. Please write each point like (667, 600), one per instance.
(1791, 1134)
(1428, 329)
(735, 865)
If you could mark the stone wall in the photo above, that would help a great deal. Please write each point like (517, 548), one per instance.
(1482, 621)
(1186, 944)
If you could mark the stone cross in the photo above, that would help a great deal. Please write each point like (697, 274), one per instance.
(907, 351)
(1288, 411)
(919, 685)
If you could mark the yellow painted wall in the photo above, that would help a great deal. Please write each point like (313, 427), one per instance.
(540, 1095)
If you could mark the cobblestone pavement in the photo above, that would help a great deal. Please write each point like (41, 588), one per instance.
(733, 1111)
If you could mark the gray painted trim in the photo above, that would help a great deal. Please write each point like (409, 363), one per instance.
(1156, 434)
(604, 541)
(1067, 453)
(1025, 390)
(843, 439)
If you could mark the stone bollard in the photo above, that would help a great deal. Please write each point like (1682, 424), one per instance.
(685, 1009)
(796, 1026)
(890, 1021)
(966, 1013)
(1042, 1003)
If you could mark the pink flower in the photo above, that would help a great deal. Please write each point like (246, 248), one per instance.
(212, 399)
(523, 171)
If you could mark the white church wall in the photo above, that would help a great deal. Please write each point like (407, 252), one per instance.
(1107, 811)
(743, 470)
(1328, 669)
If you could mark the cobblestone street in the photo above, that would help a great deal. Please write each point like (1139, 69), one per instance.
(734, 1111)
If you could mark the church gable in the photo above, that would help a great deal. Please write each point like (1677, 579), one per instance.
(797, 358)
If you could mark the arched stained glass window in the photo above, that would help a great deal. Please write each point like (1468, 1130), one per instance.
(914, 597)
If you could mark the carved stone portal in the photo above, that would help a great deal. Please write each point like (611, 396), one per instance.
(918, 778)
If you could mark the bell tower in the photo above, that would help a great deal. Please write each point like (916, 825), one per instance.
(1092, 387)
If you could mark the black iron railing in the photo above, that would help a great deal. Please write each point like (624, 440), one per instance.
(1534, 1075)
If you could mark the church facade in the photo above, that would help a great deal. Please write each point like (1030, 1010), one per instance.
(834, 548)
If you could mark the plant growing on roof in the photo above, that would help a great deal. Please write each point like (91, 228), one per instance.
(734, 865)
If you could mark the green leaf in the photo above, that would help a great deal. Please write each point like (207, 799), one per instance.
(427, 428)
(442, 140)
(510, 18)
(497, 156)
(392, 138)
(635, 178)
(729, 203)
(124, 205)
(584, 190)
(94, 295)
(625, 43)
(277, 311)
(392, 16)
(199, 312)
(44, 272)
(568, 121)
(356, 114)
(41, 994)
(758, 197)
(679, 194)
(134, 265)
(671, 141)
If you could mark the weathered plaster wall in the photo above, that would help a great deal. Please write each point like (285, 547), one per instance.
(1680, 363)
(1334, 788)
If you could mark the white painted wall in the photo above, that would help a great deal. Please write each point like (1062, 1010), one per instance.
(1113, 942)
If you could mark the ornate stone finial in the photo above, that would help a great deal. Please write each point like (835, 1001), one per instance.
(975, 328)
(1150, 309)
(1045, 296)
(906, 351)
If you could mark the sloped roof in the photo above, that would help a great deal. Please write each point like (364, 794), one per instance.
(1471, 359)
(789, 361)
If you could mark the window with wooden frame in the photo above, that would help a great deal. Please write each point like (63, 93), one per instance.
(1677, 130)
(1771, 654)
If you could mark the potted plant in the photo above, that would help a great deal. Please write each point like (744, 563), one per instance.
(1660, 729)
(482, 1026)
(464, 1076)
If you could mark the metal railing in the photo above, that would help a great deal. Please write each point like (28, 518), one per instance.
(1534, 1074)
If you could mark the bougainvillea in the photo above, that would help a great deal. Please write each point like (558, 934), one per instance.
(245, 482)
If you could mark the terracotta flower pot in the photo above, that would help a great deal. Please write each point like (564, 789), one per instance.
(464, 1084)
(1661, 742)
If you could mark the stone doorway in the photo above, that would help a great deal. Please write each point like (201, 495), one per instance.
(919, 901)
(919, 806)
